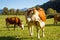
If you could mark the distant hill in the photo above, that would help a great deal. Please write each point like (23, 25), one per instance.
(52, 4)
(24, 9)
(1, 10)
(54, 0)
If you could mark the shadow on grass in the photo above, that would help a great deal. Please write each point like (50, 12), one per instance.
(11, 26)
(49, 24)
(8, 38)
(52, 25)
(14, 38)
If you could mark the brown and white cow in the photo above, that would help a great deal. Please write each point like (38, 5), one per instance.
(56, 18)
(36, 17)
(15, 21)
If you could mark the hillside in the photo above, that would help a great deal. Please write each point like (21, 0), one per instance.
(52, 4)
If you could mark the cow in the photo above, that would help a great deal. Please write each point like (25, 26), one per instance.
(15, 21)
(35, 17)
(56, 18)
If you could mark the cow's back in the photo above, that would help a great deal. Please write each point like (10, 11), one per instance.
(13, 20)
(57, 17)
(42, 14)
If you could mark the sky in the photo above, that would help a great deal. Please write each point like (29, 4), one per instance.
(20, 4)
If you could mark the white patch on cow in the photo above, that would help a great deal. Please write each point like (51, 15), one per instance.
(29, 19)
(35, 17)
(42, 24)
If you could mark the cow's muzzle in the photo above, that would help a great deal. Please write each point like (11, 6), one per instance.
(22, 26)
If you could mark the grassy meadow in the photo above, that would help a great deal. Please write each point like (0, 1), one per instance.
(51, 32)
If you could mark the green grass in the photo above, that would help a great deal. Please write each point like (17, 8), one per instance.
(51, 32)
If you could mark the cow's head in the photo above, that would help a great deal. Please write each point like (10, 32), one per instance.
(21, 25)
(32, 15)
(29, 14)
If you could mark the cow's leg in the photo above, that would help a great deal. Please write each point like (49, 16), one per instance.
(42, 25)
(7, 24)
(28, 26)
(14, 26)
(38, 32)
(31, 30)
(38, 29)
(43, 32)
(55, 22)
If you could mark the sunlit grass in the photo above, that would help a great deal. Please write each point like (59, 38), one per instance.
(51, 32)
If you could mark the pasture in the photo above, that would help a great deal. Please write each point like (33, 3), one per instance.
(51, 32)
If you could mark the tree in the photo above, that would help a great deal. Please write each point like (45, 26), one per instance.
(5, 10)
(51, 11)
(22, 12)
(12, 11)
(17, 12)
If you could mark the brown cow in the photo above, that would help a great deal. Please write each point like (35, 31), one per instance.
(15, 21)
(34, 17)
(56, 18)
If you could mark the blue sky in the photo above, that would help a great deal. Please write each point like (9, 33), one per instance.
(20, 4)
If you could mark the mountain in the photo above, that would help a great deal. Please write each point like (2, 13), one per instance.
(24, 9)
(54, 0)
(1, 10)
(52, 4)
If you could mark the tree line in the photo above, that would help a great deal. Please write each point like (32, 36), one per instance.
(12, 11)
(50, 12)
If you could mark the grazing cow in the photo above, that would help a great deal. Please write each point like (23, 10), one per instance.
(56, 18)
(15, 21)
(36, 17)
